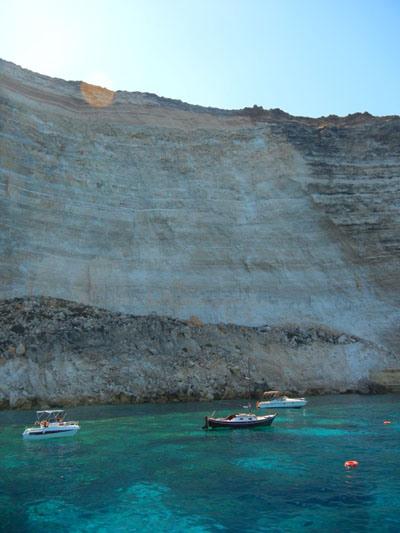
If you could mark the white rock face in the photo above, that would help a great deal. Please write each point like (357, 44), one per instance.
(149, 205)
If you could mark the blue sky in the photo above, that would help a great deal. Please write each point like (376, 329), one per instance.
(307, 57)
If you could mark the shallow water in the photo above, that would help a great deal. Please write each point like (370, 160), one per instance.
(152, 468)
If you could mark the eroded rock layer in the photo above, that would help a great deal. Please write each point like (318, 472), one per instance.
(61, 353)
(141, 205)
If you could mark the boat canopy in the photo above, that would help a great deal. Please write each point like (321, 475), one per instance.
(273, 394)
(49, 414)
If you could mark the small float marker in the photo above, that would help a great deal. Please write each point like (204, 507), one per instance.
(387, 421)
(350, 464)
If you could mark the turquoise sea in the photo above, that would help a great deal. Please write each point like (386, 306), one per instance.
(152, 468)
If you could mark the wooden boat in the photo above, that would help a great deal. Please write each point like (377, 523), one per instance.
(239, 421)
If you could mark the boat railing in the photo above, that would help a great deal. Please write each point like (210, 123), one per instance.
(47, 423)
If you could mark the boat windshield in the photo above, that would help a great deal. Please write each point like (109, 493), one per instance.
(53, 415)
(273, 395)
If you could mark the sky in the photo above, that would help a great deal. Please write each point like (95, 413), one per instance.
(307, 57)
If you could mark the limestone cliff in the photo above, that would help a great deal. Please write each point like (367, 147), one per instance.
(139, 204)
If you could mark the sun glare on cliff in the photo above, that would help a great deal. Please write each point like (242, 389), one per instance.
(96, 96)
(97, 89)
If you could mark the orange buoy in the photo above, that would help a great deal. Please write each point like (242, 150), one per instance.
(387, 421)
(351, 464)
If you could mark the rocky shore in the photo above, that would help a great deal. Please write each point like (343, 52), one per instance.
(55, 352)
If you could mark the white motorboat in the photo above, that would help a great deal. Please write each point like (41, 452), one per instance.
(277, 400)
(50, 424)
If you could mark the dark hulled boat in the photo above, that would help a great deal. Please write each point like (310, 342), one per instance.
(239, 421)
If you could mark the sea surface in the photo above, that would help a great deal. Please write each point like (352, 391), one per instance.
(153, 468)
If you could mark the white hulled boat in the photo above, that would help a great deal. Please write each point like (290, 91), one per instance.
(50, 423)
(277, 400)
